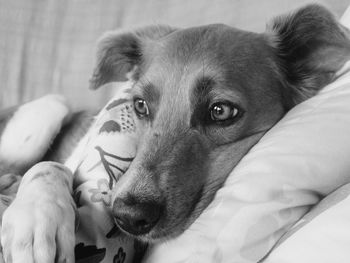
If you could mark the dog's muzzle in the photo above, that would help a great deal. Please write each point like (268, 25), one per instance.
(136, 217)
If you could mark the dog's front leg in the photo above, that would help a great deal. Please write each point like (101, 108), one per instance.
(39, 224)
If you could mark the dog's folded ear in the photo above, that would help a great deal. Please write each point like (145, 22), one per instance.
(311, 46)
(119, 55)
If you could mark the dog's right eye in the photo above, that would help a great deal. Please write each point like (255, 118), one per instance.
(141, 107)
(224, 113)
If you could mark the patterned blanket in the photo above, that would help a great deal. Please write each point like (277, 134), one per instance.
(101, 157)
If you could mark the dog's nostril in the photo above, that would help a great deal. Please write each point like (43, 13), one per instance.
(136, 218)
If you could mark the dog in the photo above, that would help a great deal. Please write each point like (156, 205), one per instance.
(204, 96)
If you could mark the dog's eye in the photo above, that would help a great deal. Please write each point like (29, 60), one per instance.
(223, 111)
(141, 107)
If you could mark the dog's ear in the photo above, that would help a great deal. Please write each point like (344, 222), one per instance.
(311, 46)
(120, 54)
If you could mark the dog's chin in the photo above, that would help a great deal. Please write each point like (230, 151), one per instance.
(162, 232)
(154, 235)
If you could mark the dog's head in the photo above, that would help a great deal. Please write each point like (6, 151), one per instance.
(205, 96)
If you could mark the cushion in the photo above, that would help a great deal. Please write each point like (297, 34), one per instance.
(24, 137)
(101, 157)
(321, 235)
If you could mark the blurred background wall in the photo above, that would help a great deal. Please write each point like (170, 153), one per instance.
(48, 46)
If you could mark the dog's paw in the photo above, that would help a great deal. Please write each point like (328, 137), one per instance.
(39, 224)
(35, 230)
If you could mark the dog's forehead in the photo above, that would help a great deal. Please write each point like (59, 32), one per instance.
(239, 62)
(214, 51)
(184, 54)
(216, 41)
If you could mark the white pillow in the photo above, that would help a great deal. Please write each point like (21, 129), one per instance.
(302, 159)
(100, 158)
(322, 234)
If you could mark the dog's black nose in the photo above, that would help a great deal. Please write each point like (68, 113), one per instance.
(136, 218)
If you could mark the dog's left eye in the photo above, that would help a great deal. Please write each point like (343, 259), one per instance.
(141, 107)
(223, 111)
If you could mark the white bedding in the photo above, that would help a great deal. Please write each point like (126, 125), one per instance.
(323, 234)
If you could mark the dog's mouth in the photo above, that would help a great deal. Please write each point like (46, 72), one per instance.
(142, 230)
(153, 222)
(150, 232)
(142, 220)
(138, 224)
(135, 228)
